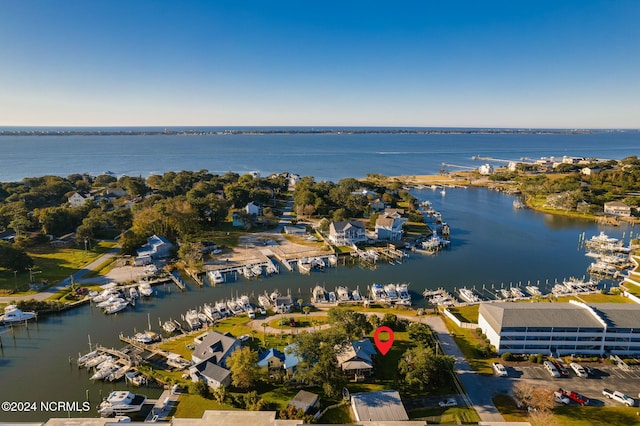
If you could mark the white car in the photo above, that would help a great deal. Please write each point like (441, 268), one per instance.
(553, 371)
(560, 398)
(499, 369)
(578, 369)
(450, 402)
(244, 337)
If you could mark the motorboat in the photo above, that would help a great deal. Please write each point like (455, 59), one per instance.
(319, 295)
(221, 307)
(332, 297)
(403, 291)
(14, 315)
(96, 360)
(247, 272)
(85, 358)
(516, 292)
(378, 293)
(143, 338)
(104, 295)
(192, 320)
(271, 269)
(116, 307)
(110, 301)
(215, 277)
(468, 295)
(145, 289)
(245, 302)
(135, 378)
(106, 370)
(233, 307)
(317, 263)
(506, 294)
(343, 294)
(211, 312)
(333, 260)
(263, 300)
(120, 402)
(390, 290)
(304, 266)
(257, 270)
(533, 290)
(133, 293)
(355, 295)
(169, 327)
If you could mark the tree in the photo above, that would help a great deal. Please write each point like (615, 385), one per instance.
(421, 368)
(420, 333)
(393, 322)
(536, 397)
(220, 393)
(202, 388)
(354, 324)
(244, 371)
(14, 258)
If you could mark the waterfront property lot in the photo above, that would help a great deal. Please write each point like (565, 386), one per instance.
(605, 376)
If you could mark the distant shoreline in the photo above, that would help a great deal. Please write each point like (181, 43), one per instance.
(294, 131)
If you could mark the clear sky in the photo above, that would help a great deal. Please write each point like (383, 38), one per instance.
(516, 63)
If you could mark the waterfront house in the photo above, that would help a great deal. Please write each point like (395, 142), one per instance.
(295, 230)
(157, 247)
(486, 169)
(347, 233)
(376, 206)
(272, 360)
(588, 171)
(306, 401)
(617, 208)
(79, 199)
(394, 213)
(67, 240)
(283, 304)
(389, 228)
(215, 347)
(356, 360)
(212, 374)
(562, 328)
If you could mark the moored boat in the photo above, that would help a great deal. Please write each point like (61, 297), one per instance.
(14, 315)
(120, 402)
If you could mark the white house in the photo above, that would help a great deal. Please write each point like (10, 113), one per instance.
(212, 374)
(389, 228)
(157, 247)
(486, 169)
(253, 209)
(347, 233)
(78, 199)
(617, 208)
(588, 171)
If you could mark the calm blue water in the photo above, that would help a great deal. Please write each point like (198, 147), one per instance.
(492, 244)
(324, 156)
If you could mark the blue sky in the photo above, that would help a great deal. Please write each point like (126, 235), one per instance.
(558, 64)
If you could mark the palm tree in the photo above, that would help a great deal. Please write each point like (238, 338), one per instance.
(264, 334)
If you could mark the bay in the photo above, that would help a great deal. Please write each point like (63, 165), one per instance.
(492, 244)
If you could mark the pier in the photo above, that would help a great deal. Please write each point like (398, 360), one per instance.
(175, 277)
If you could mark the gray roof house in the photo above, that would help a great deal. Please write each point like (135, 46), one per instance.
(306, 401)
(380, 406)
(356, 359)
(347, 233)
(212, 374)
(215, 347)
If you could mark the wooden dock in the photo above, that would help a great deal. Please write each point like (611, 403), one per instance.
(177, 280)
(163, 406)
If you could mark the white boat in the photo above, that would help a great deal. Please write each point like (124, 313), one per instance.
(110, 301)
(304, 266)
(169, 327)
(602, 268)
(135, 378)
(133, 293)
(14, 315)
(142, 338)
(390, 290)
(247, 272)
(245, 302)
(85, 358)
(468, 295)
(221, 307)
(332, 297)
(203, 318)
(211, 312)
(319, 295)
(403, 291)
(506, 294)
(233, 307)
(116, 307)
(343, 294)
(355, 295)
(104, 295)
(215, 277)
(533, 290)
(516, 292)
(263, 300)
(257, 270)
(105, 371)
(271, 269)
(317, 263)
(377, 293)
(120, 402)
(333, 260)
(192, 320)
(96, 360)
(145, 289)
(517, 204)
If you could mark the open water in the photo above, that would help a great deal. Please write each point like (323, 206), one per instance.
(492, 243)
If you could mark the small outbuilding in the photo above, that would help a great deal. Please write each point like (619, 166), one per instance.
(383, 405)
(308, 402)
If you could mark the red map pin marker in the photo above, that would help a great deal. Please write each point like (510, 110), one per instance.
(383, 345)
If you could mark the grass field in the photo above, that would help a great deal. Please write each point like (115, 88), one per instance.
(467, 342)
(56, 264)
(453, 415)
(467, 313)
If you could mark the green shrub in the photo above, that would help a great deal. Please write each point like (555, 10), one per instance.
(507, 356)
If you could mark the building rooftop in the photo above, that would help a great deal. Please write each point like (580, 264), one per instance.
(304, 400)
(502, 315)
(214, 346)
(618, 315)
(378, 406)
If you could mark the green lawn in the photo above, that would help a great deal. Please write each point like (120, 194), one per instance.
(453, 415)
(55, 264)
(596, 416)
(507, 407)
(338, 415)
(597, 298)
(467, 342)
(467, 313)
(193, 406)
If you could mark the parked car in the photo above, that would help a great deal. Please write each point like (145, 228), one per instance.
(449, 402)
(564, 372)
(551, 369)
(560, 398)
(575, 396)
(618, 396)
(579, 370)
(499, 369)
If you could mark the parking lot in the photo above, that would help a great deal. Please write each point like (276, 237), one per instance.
(605, 376)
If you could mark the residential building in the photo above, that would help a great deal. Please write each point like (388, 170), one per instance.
(356, 360)
(617, 208)
(306, 401)
(157, 247)
(67, 240)
(562, 328)
(394, 213)
(291, 360)
(347, 233)
(486, 169)
(212, 374)
(272, 360)
(215, 347)
(389, 228)
(253, 209)
(381, 406)
(79, 199)
(376, 206)
(295, 230)
(588, 171)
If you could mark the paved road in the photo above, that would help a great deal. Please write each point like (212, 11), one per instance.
(66, 282)
(480, 389)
